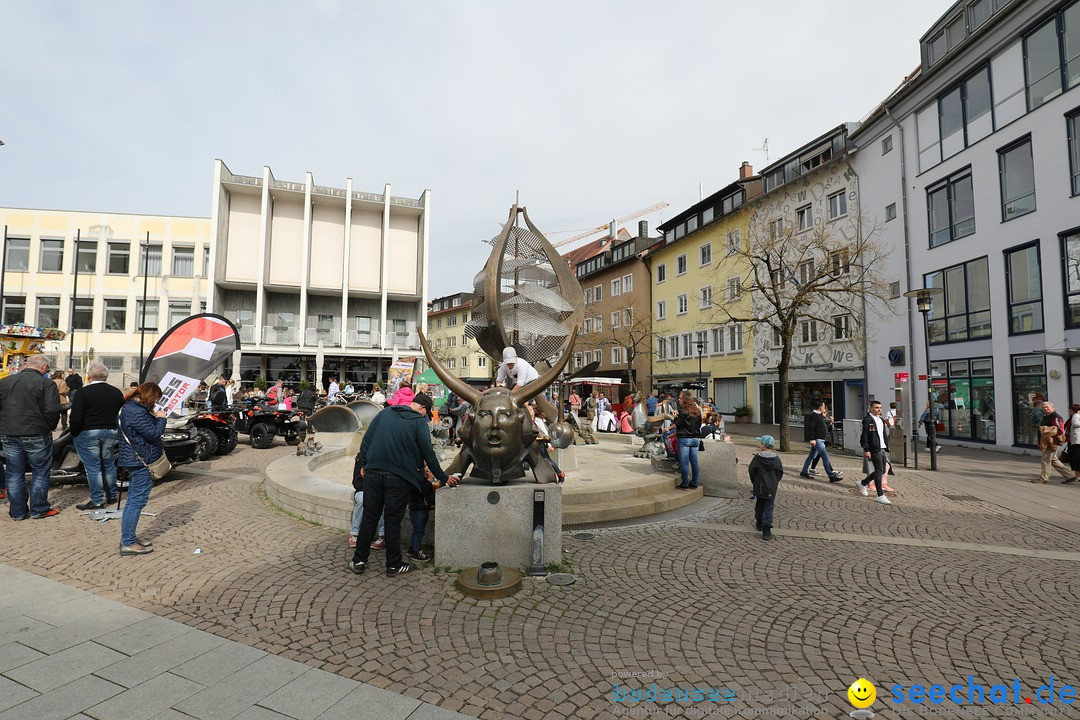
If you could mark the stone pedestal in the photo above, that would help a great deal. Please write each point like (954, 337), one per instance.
(565, 458)
(719, 476)
(476, 523)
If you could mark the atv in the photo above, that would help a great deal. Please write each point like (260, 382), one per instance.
(263, 424)
(215, 432)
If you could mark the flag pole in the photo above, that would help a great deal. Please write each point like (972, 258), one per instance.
(74, 297)
(142, 313)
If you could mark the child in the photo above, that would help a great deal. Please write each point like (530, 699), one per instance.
(420, 504)
(765, 473)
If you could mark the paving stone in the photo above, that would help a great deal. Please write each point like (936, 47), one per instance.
(21, 627)
(164, 657)
(12, 693)
(14, 654)
(309, 695)
(64, 667)
(244, 688)
(147, 699)
(142, 635)
(260, 713)
(79, 620)
(65, 701)
(371, 703)
(218, 663)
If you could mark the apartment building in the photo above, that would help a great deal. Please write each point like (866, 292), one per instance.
(458, 353)
(978, 159)
(88, 272)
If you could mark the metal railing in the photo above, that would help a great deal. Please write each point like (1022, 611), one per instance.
(358, 339)
(410, 341)
(247, 333)
(329, 338)
(280, 336)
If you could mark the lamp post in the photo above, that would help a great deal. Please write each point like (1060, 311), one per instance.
(924, 303)
(700, 345)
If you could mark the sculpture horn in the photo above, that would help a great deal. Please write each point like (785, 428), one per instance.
(457, 385)
(541, 384)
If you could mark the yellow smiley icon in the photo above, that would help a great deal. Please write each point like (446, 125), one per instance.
(862, 693)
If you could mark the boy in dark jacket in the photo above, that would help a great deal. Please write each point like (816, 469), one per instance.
(765, 473)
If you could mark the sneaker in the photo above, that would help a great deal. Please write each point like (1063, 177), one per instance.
(937, 449)
(812, 471)
(805, 475)
(420, 555)
(864, 490)
(3, 494)
(111, 500)
(766, 534)
(379, 544)
(51, 512)
(884, 500)
(358, 567)
(835, 478)
(401, 569)
(90, 505)
(352, 541)
(836, 474)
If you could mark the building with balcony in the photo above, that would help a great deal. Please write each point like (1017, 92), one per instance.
(304, 269)
(458, 353)
(102, 261)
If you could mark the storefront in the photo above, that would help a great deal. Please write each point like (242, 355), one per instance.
(963, 392)
(1029, 392)
(844, 398)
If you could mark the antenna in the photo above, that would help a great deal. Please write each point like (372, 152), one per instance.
(764, 148)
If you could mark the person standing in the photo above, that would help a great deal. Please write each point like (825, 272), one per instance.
(275, 393)
(765, 473)
(65, 404)
(687, 421)
(333, 390)
(29, 412)
(875, 444)
(1052, 436)
(516, 369)
(230, 392)
(306, 400)
(93, 425)
(219, 395)
(74, 382)
(141, 427)
(650, 403)
(930, 418)
(815, 431)
(575, 403)
(377, 396)
(393, 453)
(1073, 426)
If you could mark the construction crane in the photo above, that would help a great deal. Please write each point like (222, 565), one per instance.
(608, 226)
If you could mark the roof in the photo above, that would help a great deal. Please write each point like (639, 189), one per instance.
(707, 202)
(596, 247)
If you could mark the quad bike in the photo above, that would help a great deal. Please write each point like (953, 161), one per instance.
(263, 424)
(215, 432)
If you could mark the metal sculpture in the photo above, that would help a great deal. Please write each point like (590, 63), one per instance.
(528, 298)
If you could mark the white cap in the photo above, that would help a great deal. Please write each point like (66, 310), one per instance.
(509, 355)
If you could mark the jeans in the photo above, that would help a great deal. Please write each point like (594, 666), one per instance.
(763, 512)
(418, 516)
(358, 512)
(21, 451)
(96, 450)
(931, 433)
(688, 450)
(138, 493)
(818, 450)
(387, 492)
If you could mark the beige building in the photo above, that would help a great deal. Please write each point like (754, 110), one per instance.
(459, 353)
(40, 280)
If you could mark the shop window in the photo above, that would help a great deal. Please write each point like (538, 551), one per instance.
(1029, 389)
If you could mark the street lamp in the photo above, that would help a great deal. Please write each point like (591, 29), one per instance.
(700, 345)
(924, 302)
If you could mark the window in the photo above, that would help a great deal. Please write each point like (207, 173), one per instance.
(661, 349)
(673, 345)
(886, 145)
(52, 256)
(735, 337)
(734, 288)
(150, 260)
(324, 323)
(978, 13)
(705, 254)
(707, 215)
(464, 318)
(717, 334)
(1042, 64)
(84, 314)
(734, 242)
(807, 331)
(1070, 252)
(588, 296)
(14, 309)
(180, 310)
(1017, 180)
(952, 209)
(481, 361)
(464, 361)
(894, 290)
(616, 356)
(616, 287)
(1029, 388)
(841, 327)
(616, 320)
(661, 273)
(779, 279)
(151, 315)
(964, 113)
(682, 303)
(115, 314)
(1023, 277)
(586, 325)
(118, 256)
(701, 343)
(1073, 126)
(805, 216)
(628, 283)
(451, 321)
(680, 265)
(438, 323)
(18, 256)
(451, 363)
(776, 228)
(706, 297)
(598, 324)
(206, 262)
(48, 311)
(628, 317)
(966, 311)
(183, 261)
(598, 293)
(806, 272)
(890, 212)
(839, 263)
(87, 256)
(687, 345)
(837, 204)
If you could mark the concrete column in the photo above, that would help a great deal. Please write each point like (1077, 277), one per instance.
(265, 219)
(383, 279)
(345, 266)
(305, 262)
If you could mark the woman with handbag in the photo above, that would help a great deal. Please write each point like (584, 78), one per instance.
(687, 421)
(142, 453)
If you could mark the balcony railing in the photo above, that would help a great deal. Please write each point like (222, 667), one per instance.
(366, 339)
(280, 336)
(329, 338)
(410, 341)
(247, 333)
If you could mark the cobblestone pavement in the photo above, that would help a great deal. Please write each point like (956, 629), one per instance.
(692, 606)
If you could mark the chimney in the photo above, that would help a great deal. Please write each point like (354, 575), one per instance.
(746, 171)
(643, 228)
(613, 231)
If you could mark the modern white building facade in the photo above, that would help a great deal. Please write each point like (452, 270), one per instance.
(976, 167)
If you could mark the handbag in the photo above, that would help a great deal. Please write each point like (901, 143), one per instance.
(701, 445)
(157, 469)
(1063, 456)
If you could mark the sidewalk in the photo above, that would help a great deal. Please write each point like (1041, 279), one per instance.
(64, 651)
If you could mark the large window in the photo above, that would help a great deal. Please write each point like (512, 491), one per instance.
(118, 261)
(1072, 124)
(87, 256)
(837, 204)
(1042, 64)
(48, 311)
(1024, 280)
(964, 115)
(1017, 180)
(14, 309)
(1029, 392)
(964, 313)
(18, 255)
(52, 256)
(180, 310)
(1070, 255)
(115, 314)
(152, 315)
(951, 206)
(84, 314)
(805, 216)
(183, 261)
(963, 393)
(150, 260)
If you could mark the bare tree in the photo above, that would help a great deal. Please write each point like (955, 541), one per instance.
(810, 284)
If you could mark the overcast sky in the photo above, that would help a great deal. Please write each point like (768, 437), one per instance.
(592, 110)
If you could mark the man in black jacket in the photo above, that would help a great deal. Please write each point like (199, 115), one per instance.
(815, 431)
(875, 443)
(395, 449)
(29, 412)
(93, 427)
(218, 398)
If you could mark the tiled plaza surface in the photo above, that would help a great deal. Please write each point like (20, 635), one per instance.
(973, 571)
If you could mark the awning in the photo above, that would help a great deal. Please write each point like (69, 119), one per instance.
(595, 381)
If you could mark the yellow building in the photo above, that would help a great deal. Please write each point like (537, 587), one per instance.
(692, 275)
(459, 353)
(40, 280)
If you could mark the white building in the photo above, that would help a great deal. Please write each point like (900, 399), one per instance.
(977, 157)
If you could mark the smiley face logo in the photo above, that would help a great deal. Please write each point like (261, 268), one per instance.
(862, 693)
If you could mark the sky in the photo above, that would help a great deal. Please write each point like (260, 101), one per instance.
(590, 109)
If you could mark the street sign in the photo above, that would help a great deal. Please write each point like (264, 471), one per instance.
(902, 377)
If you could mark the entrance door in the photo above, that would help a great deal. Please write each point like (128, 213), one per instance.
(765, 396)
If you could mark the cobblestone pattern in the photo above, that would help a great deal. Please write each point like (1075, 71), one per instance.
(703, 607)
